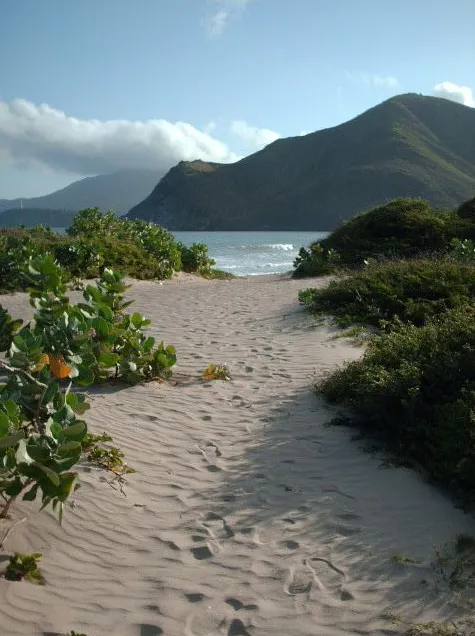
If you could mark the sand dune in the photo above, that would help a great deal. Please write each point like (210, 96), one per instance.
(247, 516)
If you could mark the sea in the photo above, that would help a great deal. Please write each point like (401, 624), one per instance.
(252, 253)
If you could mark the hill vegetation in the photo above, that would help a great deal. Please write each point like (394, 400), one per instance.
(408, 146)
(32, 217)
(409, 275)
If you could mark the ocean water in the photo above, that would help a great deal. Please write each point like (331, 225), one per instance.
(252, 253)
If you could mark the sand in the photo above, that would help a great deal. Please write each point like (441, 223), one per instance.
(247, 515)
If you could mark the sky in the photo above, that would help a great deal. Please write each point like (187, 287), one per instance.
(94, 86)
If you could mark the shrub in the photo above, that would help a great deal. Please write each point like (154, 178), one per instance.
(91, 225)
(196, 259)
(315, 261)
(410, 291)
(42, 435)
(466, 210)
(400, 228)
(415, 389)
(95, 339)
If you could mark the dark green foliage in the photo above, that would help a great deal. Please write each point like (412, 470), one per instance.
(195, 259)
(315, 261)
(401, 228)
(102, 229)
(96, 242)
(24, 567)
(411, 291)
(415, 389)
(466, 210)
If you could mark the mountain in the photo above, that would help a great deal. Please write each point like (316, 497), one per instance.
(409, 145)
(36, 216)
(118, 192)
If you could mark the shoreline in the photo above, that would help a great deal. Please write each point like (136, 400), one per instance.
(247, 515)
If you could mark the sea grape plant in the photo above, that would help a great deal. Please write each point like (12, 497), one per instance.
(42, 433)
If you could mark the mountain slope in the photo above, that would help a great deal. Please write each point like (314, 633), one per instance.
(409, 145)
(118, 192)
(36, 216)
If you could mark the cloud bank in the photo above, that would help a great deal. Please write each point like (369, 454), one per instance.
(255, 138)
(31, 134)
(454, 92)
(222, 12)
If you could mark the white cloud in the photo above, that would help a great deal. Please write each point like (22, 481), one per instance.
(31, 134)
(221, 13)
(373, 79)
(256, 138)
(456, 93)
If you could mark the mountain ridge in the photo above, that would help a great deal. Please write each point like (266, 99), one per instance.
(409, 145)
(117, 191)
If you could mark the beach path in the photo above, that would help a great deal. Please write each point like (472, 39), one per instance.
(247, 514)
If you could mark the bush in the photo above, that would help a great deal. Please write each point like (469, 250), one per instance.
(401, 228)
(410, 291)
(466, 210)
(315, 261)
(195, 259)
(415, 389)
(110, 232)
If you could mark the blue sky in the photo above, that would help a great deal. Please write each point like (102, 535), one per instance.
(92, 86)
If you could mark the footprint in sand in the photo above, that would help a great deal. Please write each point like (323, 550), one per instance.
(328, 577)
(299, 581)
(210, 452)
(237, 605)
(216, 526)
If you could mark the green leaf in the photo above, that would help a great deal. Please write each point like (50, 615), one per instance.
(11, 440)
(30, 495)
(52, 476)
(101, 326)
(108, 359)
(148, 344)
(76, 432)
(4, 424)
(85, 377)
(69, 448)
(14, 488)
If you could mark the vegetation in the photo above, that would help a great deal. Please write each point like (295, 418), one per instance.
(216, 372)
(401, 229)
(409, 145)
(414, 389)
(42, 434)
(24, 567)
(408, 291)
(96, 242)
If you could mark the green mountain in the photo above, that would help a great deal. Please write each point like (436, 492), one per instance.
(118, 192)
(408, 146)
(30, 217)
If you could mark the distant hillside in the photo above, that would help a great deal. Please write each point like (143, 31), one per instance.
(118, 192)
(30, 217)
(410, 145)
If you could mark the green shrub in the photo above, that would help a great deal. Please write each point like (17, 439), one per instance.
(400, 228)
(466, 210)
(196, 259)
(415, 389)
(410, 291)
(110, 232)
(315, 261)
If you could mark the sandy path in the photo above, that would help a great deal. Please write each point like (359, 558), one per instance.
(246, 516)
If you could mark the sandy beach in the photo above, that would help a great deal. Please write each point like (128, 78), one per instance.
(247, 515)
